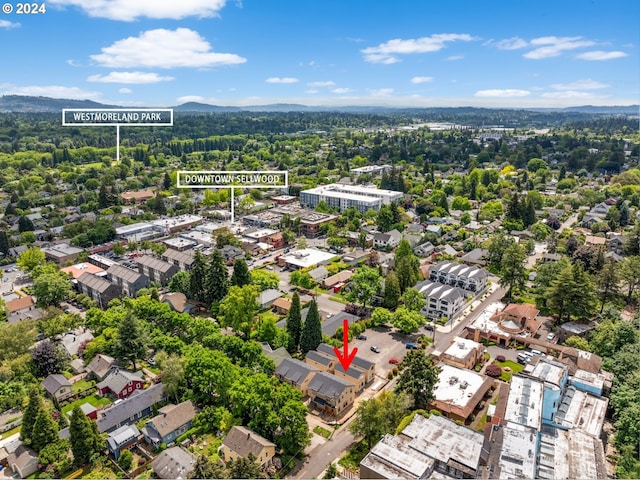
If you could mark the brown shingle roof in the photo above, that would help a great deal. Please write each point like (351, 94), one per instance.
(243, 441)
(19, 303)
(173, 418)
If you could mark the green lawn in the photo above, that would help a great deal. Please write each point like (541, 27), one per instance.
(514, 366)
(338, 299)
(482, 422)
(94, 400)
(268, 315)
(82, 385)
(323, 432)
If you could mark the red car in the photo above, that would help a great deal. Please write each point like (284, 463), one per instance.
(394, 360)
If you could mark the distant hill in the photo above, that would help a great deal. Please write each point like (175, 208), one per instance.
(19, 103)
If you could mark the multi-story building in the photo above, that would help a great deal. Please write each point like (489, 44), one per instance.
(157, 270)
(472, 279)
(442, 300)
(99, 289)
(341, 197)
(129, 281)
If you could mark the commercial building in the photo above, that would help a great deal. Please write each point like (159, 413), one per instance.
(305, 258)
(62, 253)
(463, 353)
(459, 391)
(342, 197)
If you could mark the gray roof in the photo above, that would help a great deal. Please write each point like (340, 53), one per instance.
(320, 358)
(173, 417)
(129, 407)
(328, 385)
(460, 270)
(319, 273)
(186, 257)
(353, 371)
(126, 274)
(268, 295)
(243, 441)
(357, 360)
(440, 291)
(174, 463)
(55, 382)
(294, 370)
(122, 435)
(101, 364)
(155, 263)
(118, 380)
(98, 284)
(330, 325)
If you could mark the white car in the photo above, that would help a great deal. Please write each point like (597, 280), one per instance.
(551, 336)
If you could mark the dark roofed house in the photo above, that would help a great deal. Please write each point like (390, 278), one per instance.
(130, 410)
(129, 281)
(174, 463)
(365, 365)
(277, 355)
(157, 270)
(123, 438)
(296, 373)
(241, 442)
(330, 393)
(99, 289)
(171, 422)
(353, 374)
(120, 383)
(100, 366)
(57, 387)
(320, 361)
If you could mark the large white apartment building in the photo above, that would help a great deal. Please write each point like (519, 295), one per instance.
(341, 197)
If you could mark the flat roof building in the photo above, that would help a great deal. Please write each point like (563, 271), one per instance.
(306, 258)
(342, 197)
(525, 402)
(458, 391)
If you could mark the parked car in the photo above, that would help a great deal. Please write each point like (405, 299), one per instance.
(361, 337)
(429, 327)
(551, 336)
(375, 349)
(394, 361)
(411, 346)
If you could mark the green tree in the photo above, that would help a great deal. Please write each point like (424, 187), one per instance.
(30, 415)
(384, 218)
(378, 416)
(418, 377)
(311, 335)
(173, 376)
(406, 320)
(496, 246)
(30, 259)
(224, 236)
(238, 307)
(578, 342)
(513, 274)
(331, 471)
(207, 468)
(607, 282)
(45, 431)
(245, 467)
(197, 277)
(84, 437)
(240, 276)
(381, 316)
(51, 288)
(572, 293)
(630, 275)
(126, 460)
(4, 242)
(294, 321)
(181, 282)
(391, 290)
(264, 279)
(216, 279)
(413, 300)
(365, 284)
(25, 224)
(132, 340)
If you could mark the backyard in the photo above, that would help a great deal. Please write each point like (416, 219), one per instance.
(94, 400)
(509, 368)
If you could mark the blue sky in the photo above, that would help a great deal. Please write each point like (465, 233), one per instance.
(418, 53)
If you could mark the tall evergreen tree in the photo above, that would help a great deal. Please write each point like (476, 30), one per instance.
(45, 431)
(166, 182)
(311, 335)
(513, 274)
(84, 437)
(240, 276)
(132, 342)
(608, 281)
(25, 224)
(294, 321)
(34, 407)
(196, 280)
(4, 242)
(391, 291)
(216, 278)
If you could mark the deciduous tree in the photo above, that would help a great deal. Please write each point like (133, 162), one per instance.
(391, 290)
(132, 340)
(418, 377)
(238, 307)
(365, 284)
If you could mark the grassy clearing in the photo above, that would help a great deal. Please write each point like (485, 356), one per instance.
(94, 400)
(352, 459)
(482, 422)
(339, 300)
(513, 366)
(82, 385)
(323, 432)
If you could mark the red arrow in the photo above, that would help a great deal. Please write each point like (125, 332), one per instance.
(345, 360)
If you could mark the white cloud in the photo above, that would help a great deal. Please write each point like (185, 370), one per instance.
(53, 91)
(381, 92)
(125, 90)
(387, 52)
(129, 77)
(7, 24)
(73, 63)
(453, 58)
(601, 55)
(312, 91)
(554, 46)
(328, 83)
(163, 48)
(281, 80)
(504, 93)
(421, 79)
(567, 94)
(587, 84)
(128, 10)
(341, 90)
(513, 43)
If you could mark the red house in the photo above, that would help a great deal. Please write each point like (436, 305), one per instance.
(120, 383)
(276, 240)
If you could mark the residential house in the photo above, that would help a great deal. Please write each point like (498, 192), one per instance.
(434, 229)
(89, 411)
(183, 260)
(241, 442)
(278, 355)
(441, 300)
(340, 277)
(100, 366)
(389, 240)
(424, 249)
(121, 439)
(72, 341)
(412, 239)
(472, 279)
(331, 325)
(616, 244)
(120, 383)
(22, 308)
(330, 393)
(477, 256)
(353, 374)
(174, 463)
(57, 387)
(296, 373)
(157, 270)
(594, 240)
(369, 368)
(100, 290)
(23, 461)
(321, 362)
(231, 253)
(267, 297)
(131, 409)
(318, 274)
(128, 280)
(179, 302)
(282, 305)
(171, 422)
